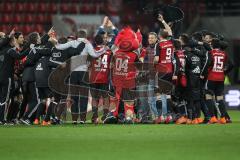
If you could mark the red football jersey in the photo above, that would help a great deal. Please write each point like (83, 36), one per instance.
(165, 57)
(143, 53)
(100, 68)
(216, 71)
(181, 56)
(124, 70)
(18, 67)
(181, 77)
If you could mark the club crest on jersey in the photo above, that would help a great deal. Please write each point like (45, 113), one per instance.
(39, 67)
(196, 70)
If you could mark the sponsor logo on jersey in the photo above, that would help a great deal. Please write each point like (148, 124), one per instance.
(57, 54)
(195, 59)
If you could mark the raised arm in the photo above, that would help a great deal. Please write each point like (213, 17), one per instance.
(6, 40)
(104, 23)
(66, 45)
(166, 26)
(14, 54)
(114, 31)
(90, 50)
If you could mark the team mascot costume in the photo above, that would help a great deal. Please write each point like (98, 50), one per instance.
(124, 70)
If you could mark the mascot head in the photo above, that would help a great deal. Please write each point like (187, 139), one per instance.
(128, 40)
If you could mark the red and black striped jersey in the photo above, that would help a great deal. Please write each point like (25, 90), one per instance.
(165, 51)
(216, 70)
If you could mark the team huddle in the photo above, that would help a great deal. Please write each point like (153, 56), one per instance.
(171, 80)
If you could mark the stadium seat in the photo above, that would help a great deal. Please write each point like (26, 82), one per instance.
(39, 28)
(84, 9)
(73, 8)
(93, 9)
(4, 28)
(41, 18)
(17, 18)
(19, 7)
(52, 8)
(101, 8)
(42, 7)
(69, 1)
(30, 7)
(64, 8)
(85, 1)
(18, 27)
(74, 1)
(49, 18)
(1, 7)
(8, 7)
(27, 29)
(29, 18)
(1, 28)
(6, 18)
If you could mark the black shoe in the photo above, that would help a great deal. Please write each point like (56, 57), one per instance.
(110, 119)
(146, 120)
(53, 121)
(74, 123)
(206, 120)
(83, 117)
(26, 122)
(58, 121)
(16, 121)
(82, 122)
(228, 121)
(103, 117)
(2, 123)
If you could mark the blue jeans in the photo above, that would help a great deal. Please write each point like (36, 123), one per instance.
(143, 110)
(152, 98)
(164, 104)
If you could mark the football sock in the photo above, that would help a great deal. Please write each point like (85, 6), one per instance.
(222, 108)
(211, 107)
(129, 110)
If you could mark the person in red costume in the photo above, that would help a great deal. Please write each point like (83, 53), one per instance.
(124, 72)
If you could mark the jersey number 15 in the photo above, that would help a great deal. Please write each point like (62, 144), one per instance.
(218, 63)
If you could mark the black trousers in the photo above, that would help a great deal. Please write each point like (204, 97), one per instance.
(5, 90)
(13, 109)
(193, 97)
(216, 88)
(204, 107)
(14, 106)
(31, 91)
(23, 105)
(80, 100)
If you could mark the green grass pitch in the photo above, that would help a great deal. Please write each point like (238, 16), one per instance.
(122, 142)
